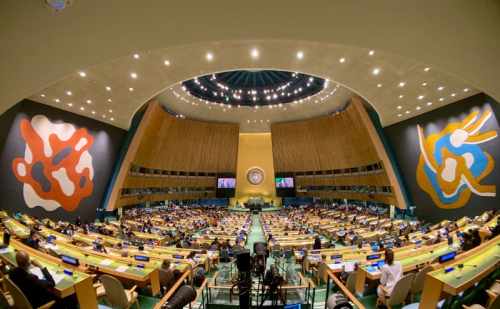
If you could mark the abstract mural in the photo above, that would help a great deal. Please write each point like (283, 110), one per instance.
(452, 163)
(56, 170)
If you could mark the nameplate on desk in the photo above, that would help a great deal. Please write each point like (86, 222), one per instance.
(121, 269)
(106, 262)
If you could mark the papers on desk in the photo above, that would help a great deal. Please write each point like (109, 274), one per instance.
(5, 250)
(106, 262)
(38, 272)
(336, 266)
(121, 269)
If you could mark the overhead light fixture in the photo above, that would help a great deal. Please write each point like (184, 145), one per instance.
(453, 94)
(466, 89)
(130, 89)
(69, 93)
(440, 88)
(112, 119)
(103, 116)
(379, 85)
(109, 100)
(300, 55)
(70, 104)
(93, 112)
(424, 84)
(376, 71)
(108, 88)
(110, 110)
(401, 96)
(371, 52)
(254, 53)
(82, 73)
(418, 108)
(57, 100)
(402, 84)
(136, 56)
(399, 115)
(429, 103)
(133, 75)
(89, 101)
(427, 69)
(441, 99)
(400, 107)
(166, 62)
(82, 108)
(43, 95)
(209, 56)
(342, 60)
(420, 97)
(407, 112)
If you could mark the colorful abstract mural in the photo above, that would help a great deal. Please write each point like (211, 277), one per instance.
(56, 170)
(452, 163)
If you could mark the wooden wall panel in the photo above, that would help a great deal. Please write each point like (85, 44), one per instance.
(345, 140)
(164, 142)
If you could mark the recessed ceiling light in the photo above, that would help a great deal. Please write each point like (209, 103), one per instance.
(407, 112)
(441, 99)
(133, 75)
(440, 88)
(400, 107)
(376, 71)
(379, 85)
(342, 60)
(427, 69)
(112, 119)
(420, 97)
(93, 112)
(429, 103)
(82, 108)
(103, 116)
(57, 100)
(108, 88)
(70, 104)
(82, 73)
(69, 93)
(110, 110)
(109, 100)
(254, 53)
(424, 84)
(300, 55)
(453, 94)
(402, 84)
(89, 101)
(209, 56)
(130, 89)
(399, 115)
(401, 96)
(166, 62)
(371, 52)
(43, 95)
(136, 56)
(466, 89)
(418, 108)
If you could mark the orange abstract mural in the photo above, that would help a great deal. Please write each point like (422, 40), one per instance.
(56, 170)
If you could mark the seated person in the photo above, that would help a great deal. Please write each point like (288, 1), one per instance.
(317, 243)
(390, 273)
(33, 241)
(167, 278)
(39, 290)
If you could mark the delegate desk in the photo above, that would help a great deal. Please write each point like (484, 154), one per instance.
(66, 284)
(124, 268)
(409, 259)
(17, 228)
(460, 274)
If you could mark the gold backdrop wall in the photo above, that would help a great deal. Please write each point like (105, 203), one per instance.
(255, 150)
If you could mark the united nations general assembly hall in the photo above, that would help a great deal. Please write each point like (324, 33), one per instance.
(258, 154)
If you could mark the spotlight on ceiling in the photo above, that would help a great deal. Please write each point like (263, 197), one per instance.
(209, 56)
(371, 52)
(342, 60)
(254, 53)
(300, 55)
(376, 71)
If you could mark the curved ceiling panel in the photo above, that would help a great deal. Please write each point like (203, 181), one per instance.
(397, 87)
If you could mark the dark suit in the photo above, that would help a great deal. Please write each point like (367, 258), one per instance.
(36, 290)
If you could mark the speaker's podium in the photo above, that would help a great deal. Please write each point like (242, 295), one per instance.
(255, 204)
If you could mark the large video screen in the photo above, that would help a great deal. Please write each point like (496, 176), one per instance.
(226, 183)
(284, 182)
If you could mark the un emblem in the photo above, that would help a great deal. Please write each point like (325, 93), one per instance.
(255, 176)
(452, 164)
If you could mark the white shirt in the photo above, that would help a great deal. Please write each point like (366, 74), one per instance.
(390, 275)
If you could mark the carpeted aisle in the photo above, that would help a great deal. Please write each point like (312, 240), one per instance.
(256, 234)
